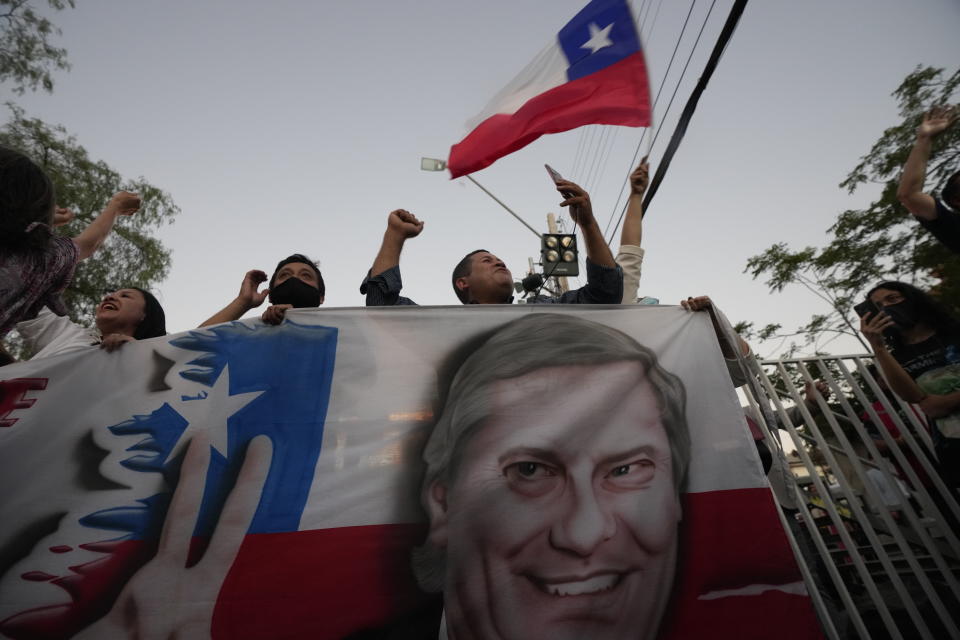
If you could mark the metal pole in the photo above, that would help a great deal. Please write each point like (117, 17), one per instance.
(499, 202)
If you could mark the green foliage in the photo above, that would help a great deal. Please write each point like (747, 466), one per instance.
(880, 242)
(131, 256)
(26, 55)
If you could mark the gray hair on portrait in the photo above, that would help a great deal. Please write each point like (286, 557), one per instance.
(530, 343)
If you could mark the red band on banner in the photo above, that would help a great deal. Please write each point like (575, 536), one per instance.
(614, 95)
(736, 578)
(12, 394)
(326, 583)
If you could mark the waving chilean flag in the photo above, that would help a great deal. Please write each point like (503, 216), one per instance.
(594, 73)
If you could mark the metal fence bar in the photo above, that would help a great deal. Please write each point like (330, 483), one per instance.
(839, 525)
(919, 545)
(923, 456)
(924, 496)
(873, 494)
(826, 620)
(919, 429)
(853, 503)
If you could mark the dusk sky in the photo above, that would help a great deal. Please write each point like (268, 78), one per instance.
(289, 127)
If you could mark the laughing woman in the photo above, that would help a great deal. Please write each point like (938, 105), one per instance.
(122, 316)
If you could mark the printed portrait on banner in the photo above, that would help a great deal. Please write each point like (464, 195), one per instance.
(405, 473)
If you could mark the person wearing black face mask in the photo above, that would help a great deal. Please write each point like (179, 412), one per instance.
(917, 346)
(296, 283)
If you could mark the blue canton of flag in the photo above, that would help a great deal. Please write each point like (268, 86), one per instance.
(602, 34)
(270, 381)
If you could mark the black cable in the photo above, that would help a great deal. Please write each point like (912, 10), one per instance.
(683, 73)
(641, 21)
(663, 119)
(654, 23)
(576, 156)
(656, 99)
(728, 28)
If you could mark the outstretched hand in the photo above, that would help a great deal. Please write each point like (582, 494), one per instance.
(124, 203)
(249, 295)
(640, 178)
(936, 121)
(164, 599)
(404, 224)
(581, 211)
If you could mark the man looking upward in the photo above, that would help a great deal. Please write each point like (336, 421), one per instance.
(482, 278)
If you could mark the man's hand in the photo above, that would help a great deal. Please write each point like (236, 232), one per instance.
(728, 348)
(640, 178)
(249, 296)
(401, 224)
(404, 224)
(579, 202)
(700, 303)
(124, 203)
(872, 327)
(113, 341)
(275, 313)
(62, 216)
(936, 121)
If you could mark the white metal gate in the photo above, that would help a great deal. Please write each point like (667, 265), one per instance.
(873, 525)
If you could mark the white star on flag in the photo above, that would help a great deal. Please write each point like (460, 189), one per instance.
(211, 414)
(599, 38)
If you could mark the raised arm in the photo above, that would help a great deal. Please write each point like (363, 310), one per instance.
(910, 192)
(122, 203)
(383, 284)
(401, 225)
(632, 232)
(582, 213)
(248, 298)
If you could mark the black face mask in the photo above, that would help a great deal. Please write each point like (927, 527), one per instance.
(296, 292)
(902, 314)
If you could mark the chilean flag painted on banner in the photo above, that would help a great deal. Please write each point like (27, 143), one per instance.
(140, 499)
(594, 73)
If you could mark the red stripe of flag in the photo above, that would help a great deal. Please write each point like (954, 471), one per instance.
(615, 95)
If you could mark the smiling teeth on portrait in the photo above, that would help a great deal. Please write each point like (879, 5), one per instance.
(587, 586)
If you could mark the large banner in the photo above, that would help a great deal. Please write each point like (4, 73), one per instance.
(520, 472)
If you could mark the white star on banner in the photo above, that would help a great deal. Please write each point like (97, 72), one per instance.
(211, 413)
(599, 38)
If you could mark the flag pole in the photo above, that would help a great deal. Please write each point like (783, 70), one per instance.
(500, 202)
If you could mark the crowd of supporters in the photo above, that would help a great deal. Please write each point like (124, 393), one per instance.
(915, 340)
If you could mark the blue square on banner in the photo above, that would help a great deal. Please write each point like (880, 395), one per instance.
(602, 34)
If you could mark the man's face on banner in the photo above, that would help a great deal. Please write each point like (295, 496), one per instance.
(561, 518)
